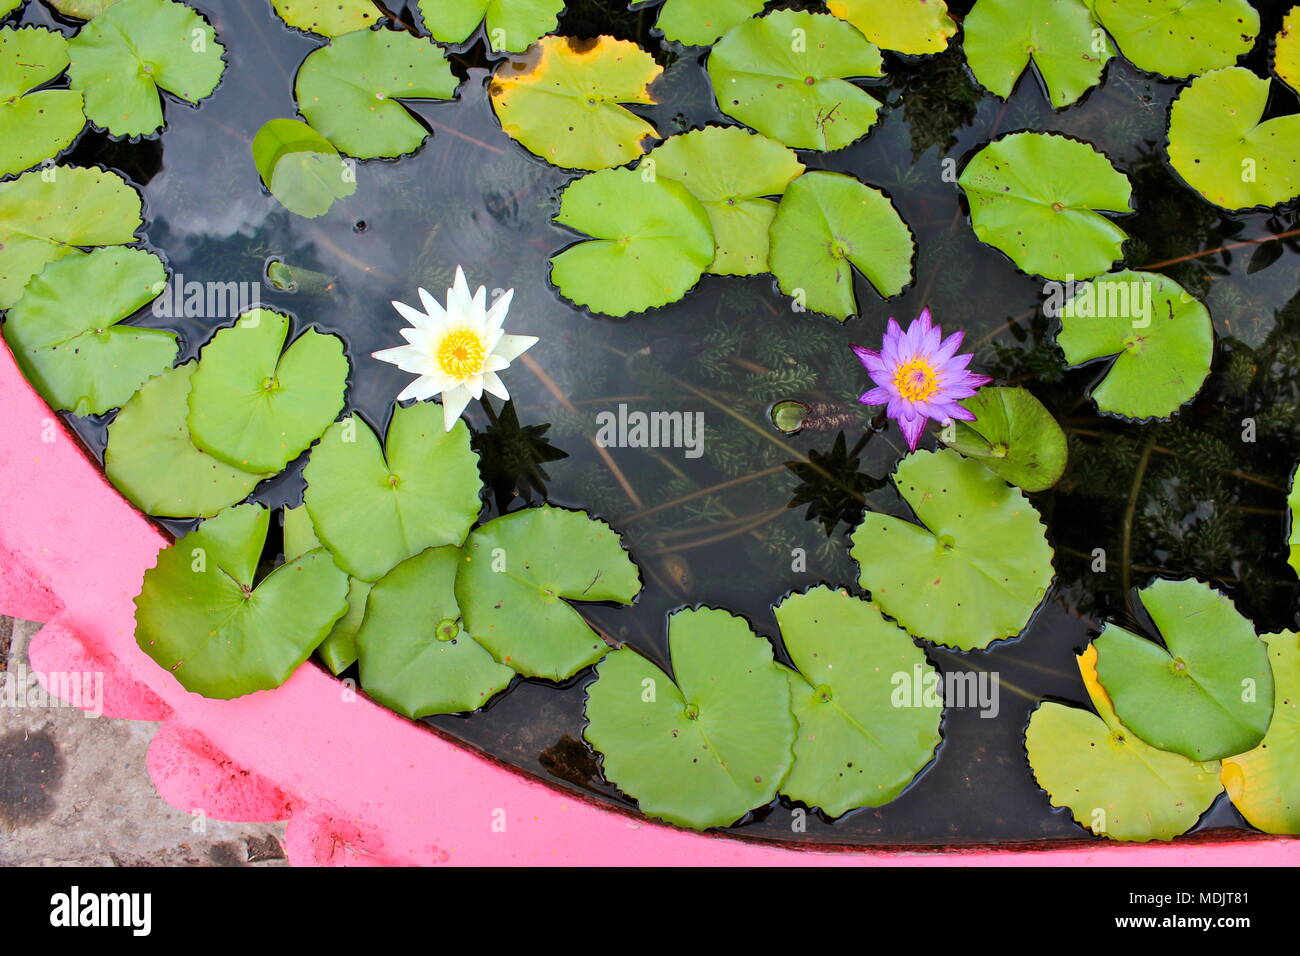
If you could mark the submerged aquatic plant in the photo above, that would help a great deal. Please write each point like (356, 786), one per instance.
(920, 376)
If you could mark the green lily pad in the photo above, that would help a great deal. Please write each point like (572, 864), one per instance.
(301, 167)
(730, 170)
(1286, 50)
(353, 90)
(786, 75)
(652, 242)
(706, 749)
(1162, 337)
(562, 101)
(66, 336)
(1264, 783)
(34, 126)
(859, 744)
(701, 22)
(975, 568)
(375, 507)
(1293, 504)
(1036, 196)
(1179, 37)
(1059, 37)
(44, 218)
(827, 224)
(123, 57)
(1210, 694)
(510, 25)
(200, 616)
(78, 9)
(339, 649)
(327, 18)
(1114, 784)
(9, 6)
(1013, 436)
(257, 409)
(1220, 147)
(152, 461)
(908, 26)
(519, 573)
(416, 658)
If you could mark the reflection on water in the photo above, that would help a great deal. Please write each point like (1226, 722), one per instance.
(761, 513)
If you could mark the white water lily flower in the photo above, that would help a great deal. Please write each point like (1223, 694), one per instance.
(456, 351)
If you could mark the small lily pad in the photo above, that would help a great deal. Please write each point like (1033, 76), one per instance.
(519, 573)
(416, 658)
(327, 18)
(301, 167)
(975, 568)
(374, 507)
(730, 170)
(66, 334)
(1162, 337)
(44, 218)
(1059, 37)
(353, 91)
(339, 649)
(786, 75)
(1286, 50)
(1037, 196)
(1179, 37)
(1114, 784)
(131, 51)
(201, 617)
(1220, 147)
(1293, 506)
(701, 22)
(152, 461)
(1264, 783)
(860, 743)
(908, 26)
(78, 9)
(706, 748)
(1013, 436)
(510, 25)
(562, 101)
(652, 242)
(257, 409)
(829, 223)
(34, 125)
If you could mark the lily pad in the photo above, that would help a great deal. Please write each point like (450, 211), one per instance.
(34, 125)
(1059, 37)
(257, 409)
(416, 658)
(1162, 337)
(786, 75)
(700, 22)
(78, 9)
(652, 242)
(66, 336)
(1293, 505)
(859, 742)
(975, 568)
(1220, 147)
(829, 223)
(705, 749)
(1208, 693)
(353, 91)
(374, 507)
(1264, 783)
(301, 167)
(200, 616)
(908, 26)
(327, 18)
(44, 218)
(730, 170)
(510, 25)
(1286, 50)
(152, 461)
(562, 101)
(1036, 196)
(1013, 436)
(9, 6)
(1179, 37)
(519, 573)
(123, 57)
(1114, 784)
(339, 649)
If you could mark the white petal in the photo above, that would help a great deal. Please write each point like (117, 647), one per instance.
(480, 305)
(512, 346)
(453, 403)
(495, 363)
(497, 314)
(432, 306)
(423, 388)
(414, 316)
(405, 357)
(459, 302)
(419, 338)
(475, 385)
(492, 383)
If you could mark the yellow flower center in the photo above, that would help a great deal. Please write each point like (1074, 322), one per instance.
(916, 380)
(462, 353)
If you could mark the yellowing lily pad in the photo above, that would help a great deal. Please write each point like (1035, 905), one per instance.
(1286, 50)
(562, 101)
(700, 22)
(301, 167)
(78, 9)
(908, 26)
(1179, 37)
(1013, 436)
(510, 25)
(327, 18)
(34, 125)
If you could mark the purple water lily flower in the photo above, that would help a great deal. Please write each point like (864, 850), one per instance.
(920, 376)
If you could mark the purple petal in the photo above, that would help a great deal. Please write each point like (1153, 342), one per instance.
(912, 429)
(877, 396)
(949, 347)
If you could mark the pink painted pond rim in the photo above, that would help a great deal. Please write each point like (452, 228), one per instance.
(357, 784)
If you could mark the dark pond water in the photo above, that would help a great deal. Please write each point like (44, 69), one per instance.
(1188, 496)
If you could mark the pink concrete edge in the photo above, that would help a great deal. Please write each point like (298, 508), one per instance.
(358, 784)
